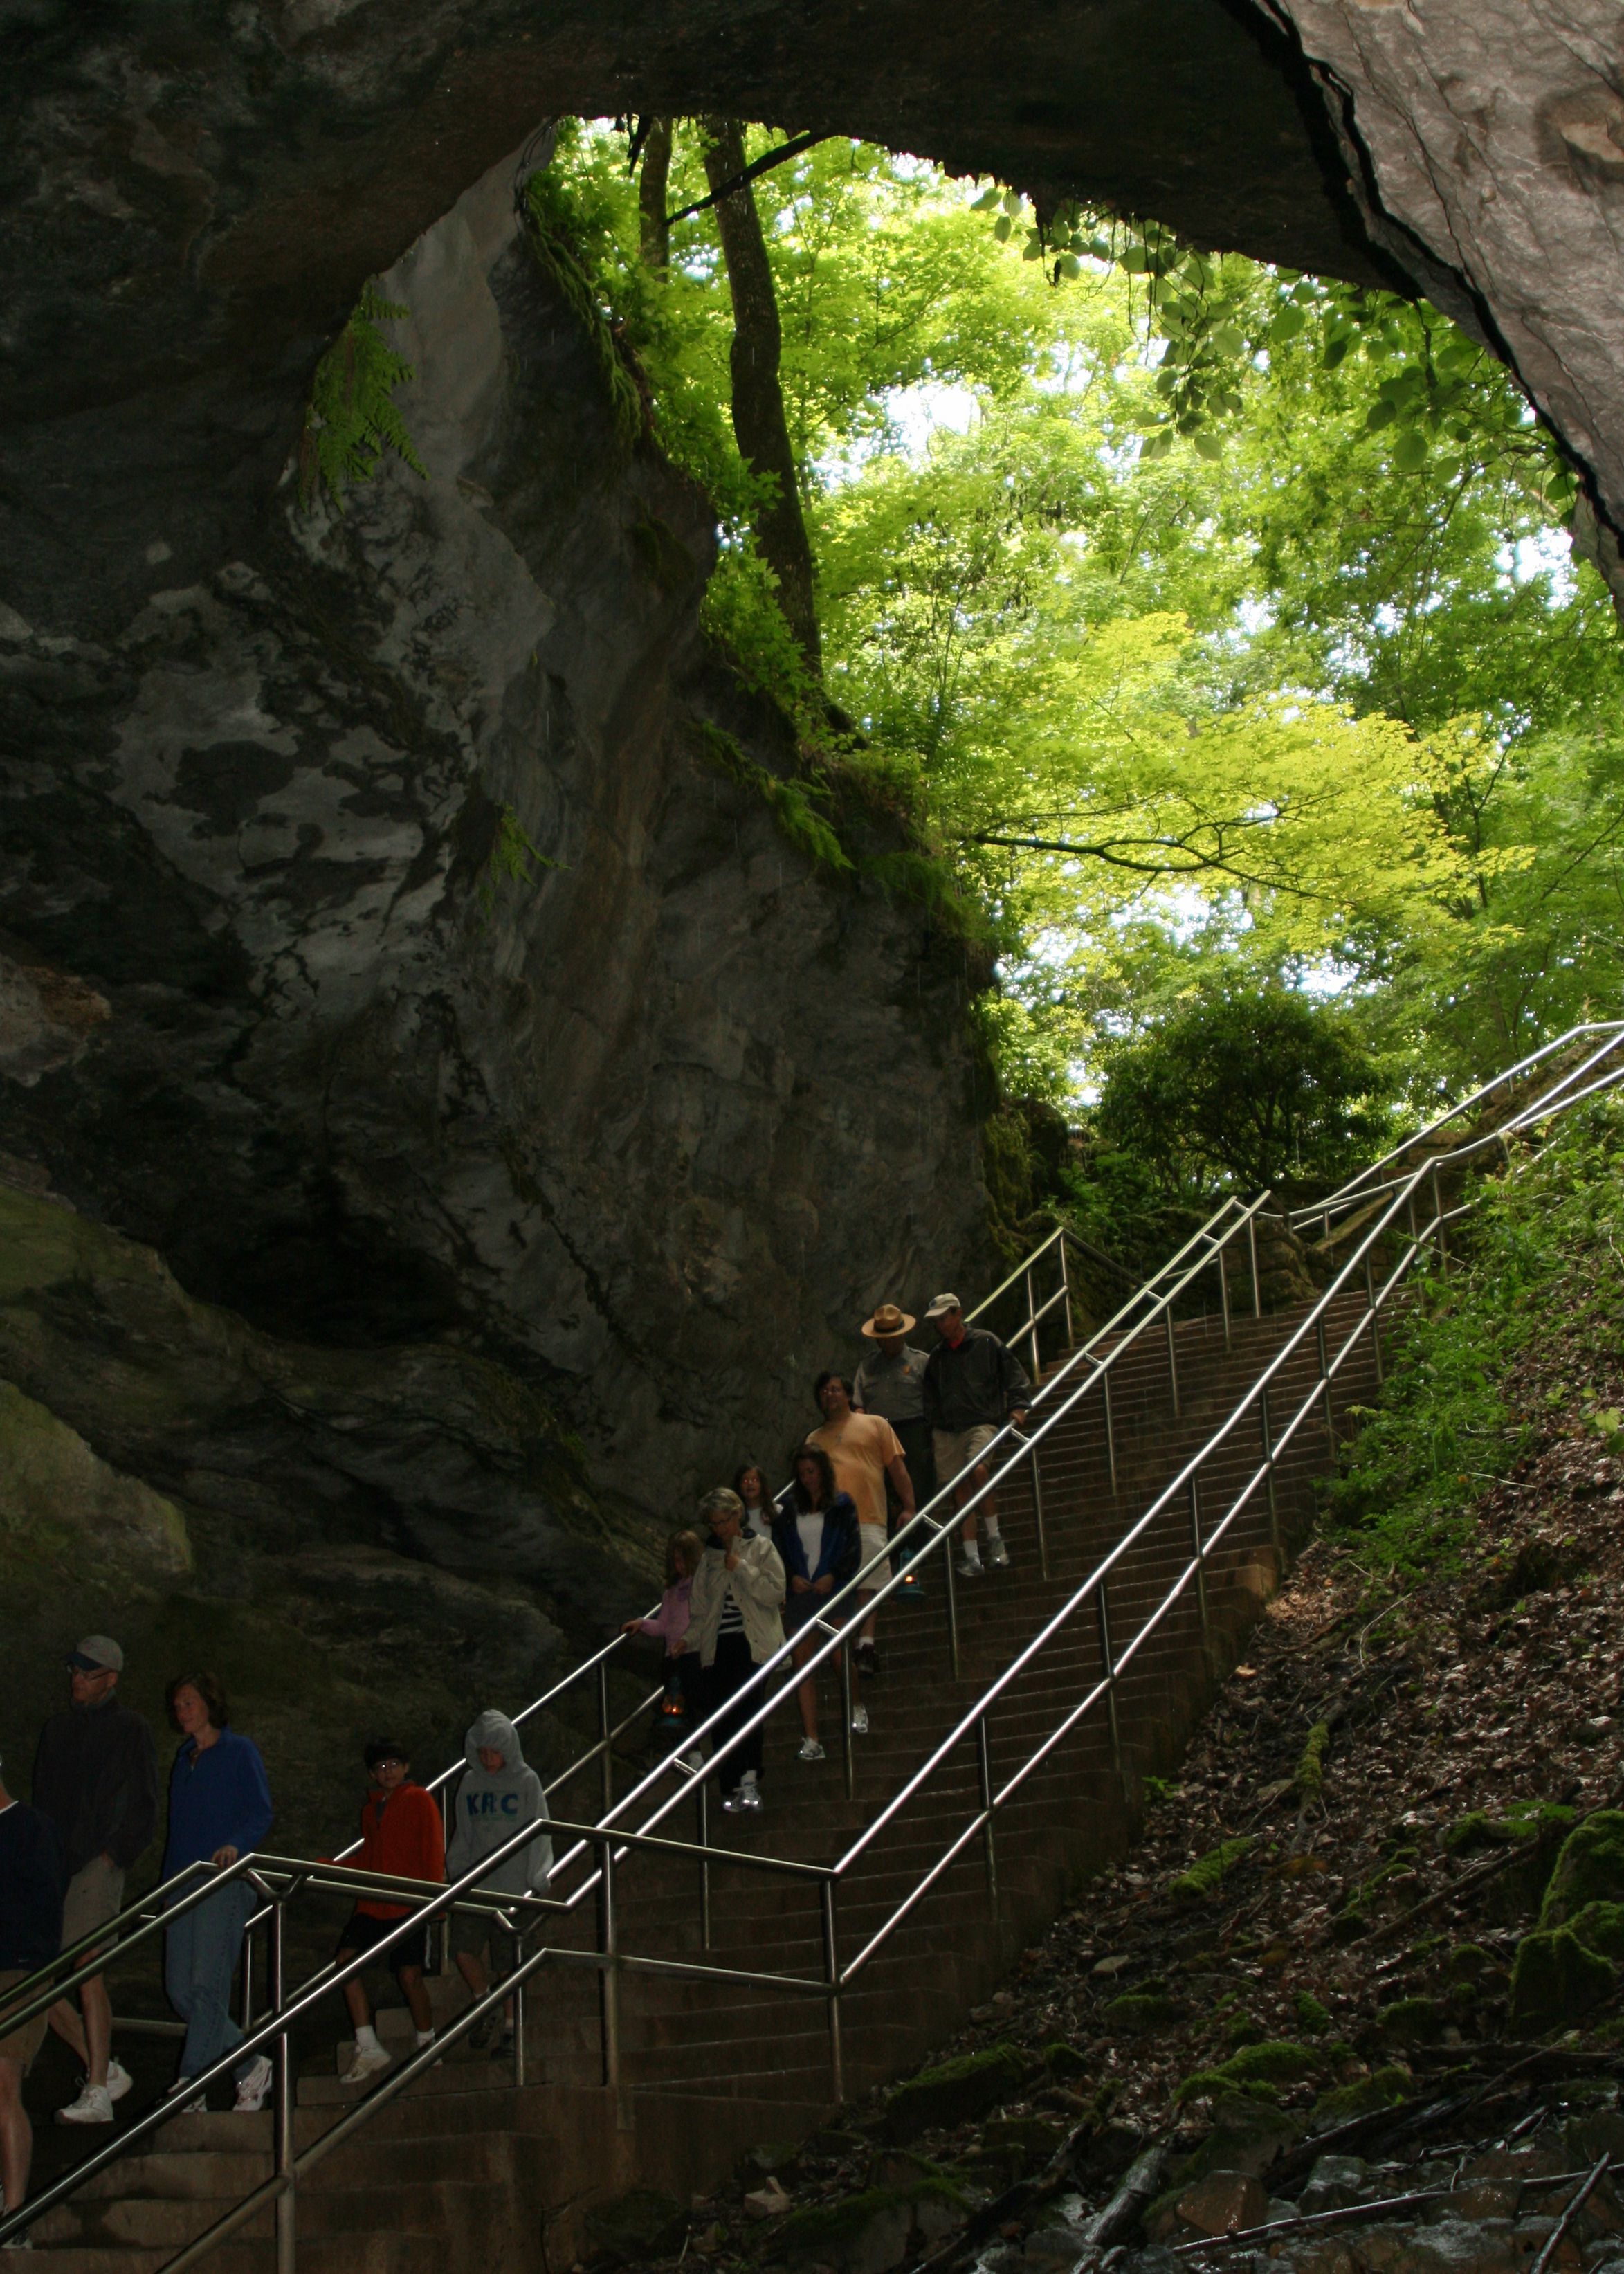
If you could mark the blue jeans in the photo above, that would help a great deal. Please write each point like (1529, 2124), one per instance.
(199, 1957)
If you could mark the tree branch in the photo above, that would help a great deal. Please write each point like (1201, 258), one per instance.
(739, 181)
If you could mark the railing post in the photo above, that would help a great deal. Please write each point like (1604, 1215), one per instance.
(1223, 1294)
(831, 1975)
(1438, 1210)
(983, 1752)
(702, 1798)
(519, 2077)
(1172, 1358)
(609, 1972)
(1037, 1510)
(1065, 1283)
(284, 2091)
(1375, 1316)
(1110, 1432)
(246, 2015)
(1109, 1661)
(953, 1594)
(1325, 1384)
(1269, 1456)
(1200, 1561)
(843, 1658)
(1251, 1251)
(604, 1756)
(1031, 1329)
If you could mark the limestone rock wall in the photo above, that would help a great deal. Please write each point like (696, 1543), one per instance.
(1486, 143)
(641, 1126)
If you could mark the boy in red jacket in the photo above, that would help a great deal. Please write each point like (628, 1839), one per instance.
(401, 1834)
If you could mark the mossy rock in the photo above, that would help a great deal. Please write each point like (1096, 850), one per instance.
(873, 2230)
(1590, 1869)
(1063, 2061)
(1384, 2087)
(1469, 1961)
(956, 2092)
(638, 2224)
(1556, 1980)
(1208, 1874)
(1600, 1928)
(1276, 2062)
(1241, 2029)
(1028, 2140)
(1413, 2022)
(1137, 2011)
(1248, 2135)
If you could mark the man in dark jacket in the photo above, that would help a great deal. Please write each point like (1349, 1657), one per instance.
(95, 1776)
(30, 1937)
(973, 1386)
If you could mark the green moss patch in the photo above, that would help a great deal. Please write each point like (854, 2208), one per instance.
(1589, 1868)
(956, 2092)
(1311, 2017)
(1384, 2087)
(1138, 2011)
(1556, 1980)
(1413, 2022)
(1207, 1874)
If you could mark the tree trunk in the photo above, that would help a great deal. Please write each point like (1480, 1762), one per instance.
(759, 425)
(652, 185)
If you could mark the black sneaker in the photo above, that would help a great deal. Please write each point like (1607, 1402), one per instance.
(868, 1659)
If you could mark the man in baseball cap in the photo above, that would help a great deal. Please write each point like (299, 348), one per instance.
(973, 1386)
(95, 1776)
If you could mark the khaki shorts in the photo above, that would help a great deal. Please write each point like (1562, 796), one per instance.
(958, 1449)
(874, 1543)
(475, 1936)
(95, 1894)
(23, 2043)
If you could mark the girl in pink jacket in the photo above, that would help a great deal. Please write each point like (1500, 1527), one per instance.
(680, 1710)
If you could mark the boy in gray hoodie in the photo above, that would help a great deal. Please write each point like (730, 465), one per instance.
(498, 1795)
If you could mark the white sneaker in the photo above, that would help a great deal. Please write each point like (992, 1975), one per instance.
(859, 1720)
(118, 2080)
(997, 1555)
(693, 1759)
(810, 1751)
(970, 1567)
(732, 1803)
(251, 2088)
(365, 2064)
(95, 2105)
(749, 1790)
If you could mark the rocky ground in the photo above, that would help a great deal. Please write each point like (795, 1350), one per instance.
(1340, 1969)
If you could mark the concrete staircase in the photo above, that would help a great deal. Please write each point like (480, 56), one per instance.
(466, 2169)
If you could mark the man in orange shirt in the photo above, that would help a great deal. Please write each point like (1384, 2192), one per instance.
(863, 1449)
(402, 1836)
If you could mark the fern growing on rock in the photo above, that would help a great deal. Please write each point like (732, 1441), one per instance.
(353, 418)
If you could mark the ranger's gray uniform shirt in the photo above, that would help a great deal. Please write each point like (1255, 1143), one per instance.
(893, 1387)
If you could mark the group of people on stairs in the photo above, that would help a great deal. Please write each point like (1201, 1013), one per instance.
(760, 1570)
(64, 1859)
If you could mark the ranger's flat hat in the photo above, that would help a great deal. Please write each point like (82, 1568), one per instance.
(889, 1320)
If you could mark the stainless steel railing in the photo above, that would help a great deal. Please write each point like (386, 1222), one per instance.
(597, 1851)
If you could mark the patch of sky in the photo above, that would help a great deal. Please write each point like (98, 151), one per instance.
(910, 419)
(1545, 553)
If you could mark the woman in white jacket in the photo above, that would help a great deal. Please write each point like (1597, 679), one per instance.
(734, 1623)
(498, 1795)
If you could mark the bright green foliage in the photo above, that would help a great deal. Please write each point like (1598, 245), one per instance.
(1206, 1875)
(1542, 1246)
(514, 859)
(1226, 627)
(352, 416)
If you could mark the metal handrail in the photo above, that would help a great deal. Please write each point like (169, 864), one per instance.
(280, 1879)
(1360, 1187)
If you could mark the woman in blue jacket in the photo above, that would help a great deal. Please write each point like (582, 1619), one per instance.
(220, 1808)
(814, 1531)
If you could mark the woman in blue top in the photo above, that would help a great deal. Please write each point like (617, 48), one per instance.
(220, 1808)
(814, 1531)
